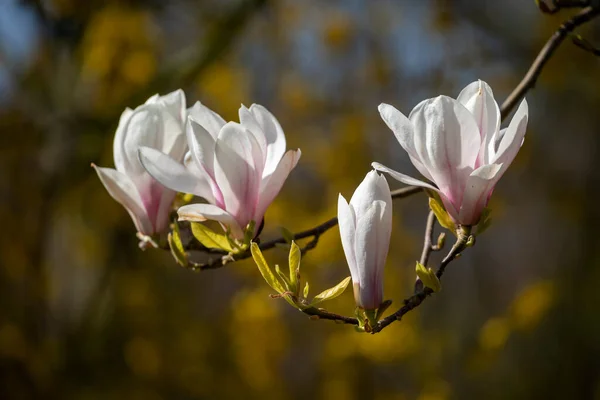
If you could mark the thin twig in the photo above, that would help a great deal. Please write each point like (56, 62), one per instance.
(319, 313)
(419, 296)
(314, 233)
(428, 241)
(544, 55)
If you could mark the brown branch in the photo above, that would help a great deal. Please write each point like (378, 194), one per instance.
(421, 294)
(428, 241)
(319, 313)
(314, 233)
(528, 82)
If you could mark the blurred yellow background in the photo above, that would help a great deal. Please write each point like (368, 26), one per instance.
(87, 315)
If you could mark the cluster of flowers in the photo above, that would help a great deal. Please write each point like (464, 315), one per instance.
(162, 148)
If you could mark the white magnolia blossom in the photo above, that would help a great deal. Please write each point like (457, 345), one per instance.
(159, 124)
(238, 168)
(365, 229)
(458, 145)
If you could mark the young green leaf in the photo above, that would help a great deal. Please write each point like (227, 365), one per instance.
(441, 214)
(176, 247)
(428, 277)
(284, 279)
(294, 261)
(305, 293)
(210, 238)
(331, 293)
(265, 270)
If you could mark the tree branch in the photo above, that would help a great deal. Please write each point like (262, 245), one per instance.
(528, 82)
(314, 233)
(421, 294)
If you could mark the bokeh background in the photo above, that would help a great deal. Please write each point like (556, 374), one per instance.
(86, 315)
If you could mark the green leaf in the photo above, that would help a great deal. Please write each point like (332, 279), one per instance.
(305, 293)
(176, 247)
(210, 238)
(441, 214)
(485, 221)
(287, 235)
(428, 277)
(294, 261)
(264, 269)
(284, 279)
(331, 293)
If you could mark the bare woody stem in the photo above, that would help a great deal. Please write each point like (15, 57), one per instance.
(530, 78)
(314, 233)
(421, 294)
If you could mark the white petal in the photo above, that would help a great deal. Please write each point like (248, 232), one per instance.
(122, 189)
(477, 193)
(373, 187)
(210, 120)
(271, 187)
(174, 175)
(144, 128)
(174, 102)
(513, 137)
(178, 147)
(447, 140)
(235, 173)
(274, 136)
(402, 178)
(478, 98)
(248, 121)
(368, 258)
(119, 141)
(404, 132)
(203, 212)
(347, 225)
(202, 146)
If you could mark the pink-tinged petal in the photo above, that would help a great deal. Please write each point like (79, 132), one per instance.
(477, 193)
(347, 225)
(144, 128)
(207, 118)
(513, 137)
(402, 178)
(165, 204)
(119, 141)
(404, 132)
(447, 140)
(248, 121)
(271, 186)
(450, 207)
(202, 146)
(235, 172)
(204, 212)
(478, 98)
(123, 190)
(174, 175)
(274, 136)
(368, 258)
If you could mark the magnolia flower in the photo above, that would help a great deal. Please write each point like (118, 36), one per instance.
(159, 123)
(238, 168)
(457, 144)
(365, 229)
